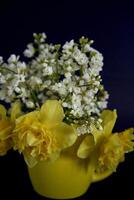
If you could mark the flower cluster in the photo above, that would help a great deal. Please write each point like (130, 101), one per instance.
(57, 101)
(41, 135)
(70, 73)
(105, 149)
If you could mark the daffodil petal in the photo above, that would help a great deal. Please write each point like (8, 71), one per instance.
(108, 120)
(86, 147)
(100, 176)
(5, 145)
(97, 134)
(30, 161)
(15, 110)
(2, 112)
(64, 134)
(111, 153)
(28, 118)
(6, 132)
(31, 139)
(52, 112)
(127, 139)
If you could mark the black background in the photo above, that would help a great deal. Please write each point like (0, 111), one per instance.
(111, 25)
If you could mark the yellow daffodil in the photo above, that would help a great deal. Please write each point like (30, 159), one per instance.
(6, 127)
(5, 131)
(42, 134)
(107, 150)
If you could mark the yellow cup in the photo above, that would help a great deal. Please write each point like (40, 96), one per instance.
(67, 177)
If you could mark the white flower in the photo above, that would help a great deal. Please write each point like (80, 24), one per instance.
(77, 90)
(87, 47)
(102, 104)
(35, 80)
(46, 84)
(30, 104)
(47, 71)
(90, 93)
(86, 76)
(13, 59)
(60, 88)
(3, 94)
(10, 90)
(97, 83)
(43, 37)
(29, 52)
(80, 57)
(68, 74)
(65, 104)
(1, 60)
(17, 89)
(81, 82)
(86, 99)
(69, 68)
(20, 78)
(68, 45)
(21, 67)
(81, 130)
(96, 63)
(2, 79)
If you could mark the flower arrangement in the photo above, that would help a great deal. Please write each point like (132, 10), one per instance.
(57, 99)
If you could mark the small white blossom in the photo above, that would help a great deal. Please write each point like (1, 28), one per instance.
(21, 66)
(68, 45)
(81, 130)
(17, 89)
(47, 71)
(35, 80)
(88, 48)
(2, 79)
(1, 60)
(102, 104)
(68, 74)
(43, 37)
(30, 104)
(13, 59)
(64, 104)
(29, 52)
(86, 76)
(96, 64)
(77, 90)
(80, 57)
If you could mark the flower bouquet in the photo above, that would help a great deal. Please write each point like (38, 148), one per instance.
(57, 117)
